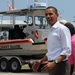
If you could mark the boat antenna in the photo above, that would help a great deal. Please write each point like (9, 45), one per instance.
(13, 17)
(28, 3)
(35, 0)
(13, 4)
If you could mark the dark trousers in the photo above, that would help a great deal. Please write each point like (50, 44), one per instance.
(62, 68)
(71, 71)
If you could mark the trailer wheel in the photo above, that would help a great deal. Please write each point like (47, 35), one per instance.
(15, 65)
(4, 64)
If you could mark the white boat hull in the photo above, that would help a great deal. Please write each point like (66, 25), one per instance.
(21, 47)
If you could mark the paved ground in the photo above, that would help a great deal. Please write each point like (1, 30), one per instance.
(1, 73)
(25, 71)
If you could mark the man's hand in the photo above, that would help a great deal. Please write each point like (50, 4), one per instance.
(35, 66)
(49, 66)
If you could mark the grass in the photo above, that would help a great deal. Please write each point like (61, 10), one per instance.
(25, 66)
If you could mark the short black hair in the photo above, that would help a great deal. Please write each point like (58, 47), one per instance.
(71, 27)
(55, 9)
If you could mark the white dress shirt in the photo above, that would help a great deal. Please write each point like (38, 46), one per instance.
(59, 41)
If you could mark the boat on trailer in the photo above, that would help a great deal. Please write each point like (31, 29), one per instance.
(16, 52)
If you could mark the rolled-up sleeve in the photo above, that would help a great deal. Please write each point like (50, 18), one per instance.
(66, 44)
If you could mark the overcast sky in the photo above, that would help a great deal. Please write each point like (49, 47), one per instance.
(66, 8)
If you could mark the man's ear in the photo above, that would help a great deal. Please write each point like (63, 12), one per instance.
(57, 14)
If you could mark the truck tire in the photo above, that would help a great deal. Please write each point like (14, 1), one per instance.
(4, 64)
(15, 65)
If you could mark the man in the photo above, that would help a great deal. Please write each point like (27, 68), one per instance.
(58, 46)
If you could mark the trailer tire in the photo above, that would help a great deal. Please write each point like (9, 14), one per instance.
(4, 64)
(15, 65)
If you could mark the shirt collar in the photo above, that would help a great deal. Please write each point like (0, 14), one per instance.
(56, 25)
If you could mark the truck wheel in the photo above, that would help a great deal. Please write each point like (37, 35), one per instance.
(4, 64)
(15, 65)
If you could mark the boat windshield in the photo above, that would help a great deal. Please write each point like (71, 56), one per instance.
(40, 21)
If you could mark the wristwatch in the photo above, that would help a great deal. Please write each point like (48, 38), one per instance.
(74, 72)
(56, 61)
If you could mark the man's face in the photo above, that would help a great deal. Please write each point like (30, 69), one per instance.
(51, 16)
